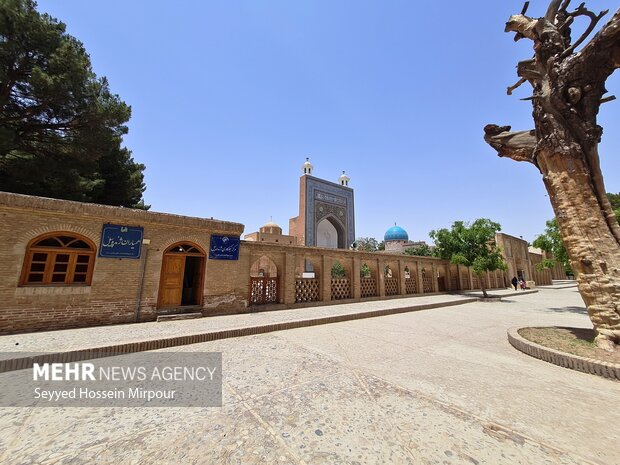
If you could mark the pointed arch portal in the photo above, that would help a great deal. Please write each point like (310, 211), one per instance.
(330, 234)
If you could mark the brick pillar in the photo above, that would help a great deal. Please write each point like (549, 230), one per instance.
(326, 279)
(381, 277)
(459, 286)
(418, 268)
(287, 281)
(471, 278)
(355, 279)
(435, 282)
(448, 277)
(401, 278)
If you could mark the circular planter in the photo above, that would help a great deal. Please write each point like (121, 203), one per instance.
(563, 359)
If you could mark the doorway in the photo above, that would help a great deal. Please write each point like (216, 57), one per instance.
(182, 276)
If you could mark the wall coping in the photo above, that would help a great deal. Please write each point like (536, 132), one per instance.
(108, 212)
(297, 249)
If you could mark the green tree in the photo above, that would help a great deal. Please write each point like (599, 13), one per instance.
(61, 127)
(365, 271)
(551, 242)
(367, 244)
(470, 245)
(422, 250)
(614, 199)
(338, 271)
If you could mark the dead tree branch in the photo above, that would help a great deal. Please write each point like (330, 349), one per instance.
(519, 145)
(594, 19)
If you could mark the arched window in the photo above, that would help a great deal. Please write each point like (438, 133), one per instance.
(59, 258)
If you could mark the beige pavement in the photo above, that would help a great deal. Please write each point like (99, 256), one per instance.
(84, 338)
(437, 386)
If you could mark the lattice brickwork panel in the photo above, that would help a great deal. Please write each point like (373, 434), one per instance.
(271, 290)
(492, 281)
(341, 289)
(307, 290)
(464, 282)
(454, 282)
(475, 282)
(368, 287)
(391, 286)
(411, 286)
(257, 288)
(427, 284)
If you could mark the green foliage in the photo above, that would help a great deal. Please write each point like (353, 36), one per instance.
(614, 199)
(365, 271)
(545, 264)
(470, 245)
(367, 244)
(422, 250)
(338, 271)
(551, 242)
(61, 127)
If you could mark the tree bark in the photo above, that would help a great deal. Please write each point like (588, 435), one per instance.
(568, 89)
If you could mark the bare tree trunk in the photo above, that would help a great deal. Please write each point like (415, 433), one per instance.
(568, 91)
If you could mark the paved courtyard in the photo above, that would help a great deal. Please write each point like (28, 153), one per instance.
(436, 386)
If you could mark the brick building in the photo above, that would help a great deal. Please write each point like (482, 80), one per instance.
(59, 268)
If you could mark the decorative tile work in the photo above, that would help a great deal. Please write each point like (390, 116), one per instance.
(340, 198)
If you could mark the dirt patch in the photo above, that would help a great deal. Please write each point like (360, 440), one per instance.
(577, 341)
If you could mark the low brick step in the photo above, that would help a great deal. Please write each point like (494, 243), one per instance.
(178, 316)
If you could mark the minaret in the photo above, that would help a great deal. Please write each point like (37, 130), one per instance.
(307, 168)
(344, 180)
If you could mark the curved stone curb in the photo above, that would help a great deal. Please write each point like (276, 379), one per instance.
(574, 362)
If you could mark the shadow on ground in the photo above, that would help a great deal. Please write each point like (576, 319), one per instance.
(577, 310)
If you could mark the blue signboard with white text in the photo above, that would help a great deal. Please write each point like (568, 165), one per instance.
(121, 241)
(224, 248)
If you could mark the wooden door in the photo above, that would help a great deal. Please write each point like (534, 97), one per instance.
(171, 284)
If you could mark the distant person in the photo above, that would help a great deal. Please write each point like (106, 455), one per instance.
(522, 284)
(514, 282)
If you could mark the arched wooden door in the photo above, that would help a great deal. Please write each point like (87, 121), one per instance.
(182, 276)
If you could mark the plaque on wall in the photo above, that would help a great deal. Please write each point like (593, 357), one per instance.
(121, 241)
(224, 248)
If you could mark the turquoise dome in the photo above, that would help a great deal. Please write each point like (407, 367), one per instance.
(396, 233)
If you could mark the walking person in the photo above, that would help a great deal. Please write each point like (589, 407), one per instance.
(514, 282)
(522, 284)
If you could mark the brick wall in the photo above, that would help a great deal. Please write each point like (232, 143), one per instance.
(112, 296)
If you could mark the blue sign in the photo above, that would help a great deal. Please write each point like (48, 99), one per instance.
(224, 248)
(121, 241)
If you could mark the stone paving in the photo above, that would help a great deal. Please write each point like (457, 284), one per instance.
(83, 338)
(434, 387)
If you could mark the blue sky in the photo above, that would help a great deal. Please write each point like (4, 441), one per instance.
(229, 97)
